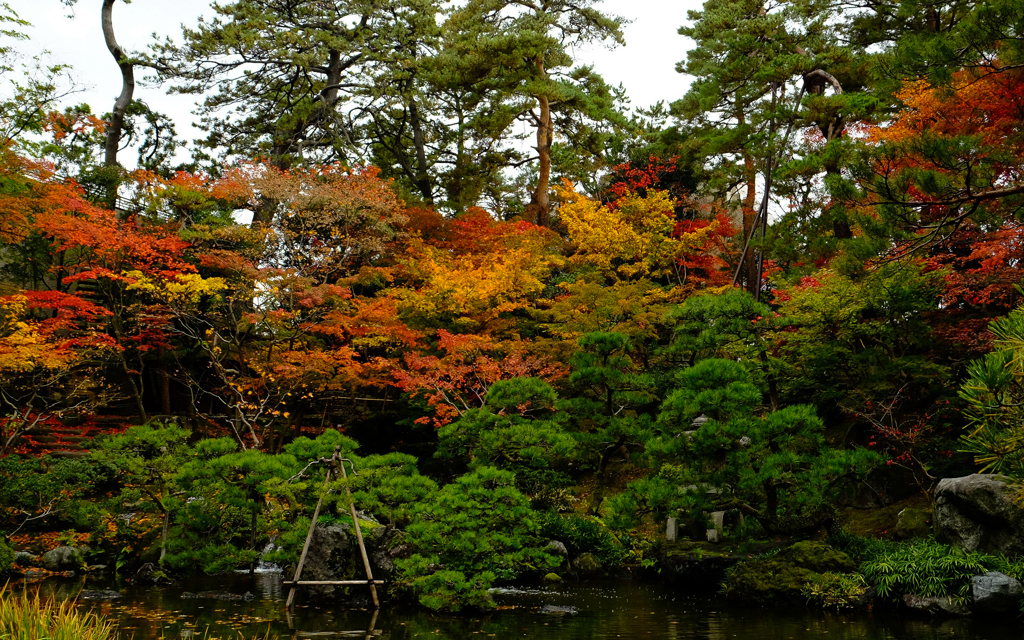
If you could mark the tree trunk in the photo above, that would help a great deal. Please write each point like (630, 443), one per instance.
(539, 209)
(165, 381)
(599, 480)
(116, 123)
(832, 128)
(420, 143)
(163, 536)
(455, 188)
(263, 213)
(771, 493)
(749, 215)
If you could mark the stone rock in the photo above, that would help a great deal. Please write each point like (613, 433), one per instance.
(558, 610)
(768, 581)
(713, 535)
(939, 605)
(149, 573)
(552, 577)
(817, 557)
(25, 559)
(781, 578)
(382, 554)
(63, 559)
(98, 594)
(978, 513)
(672, 529)
(913, 523)
(587, 563)
(333, 555)
(718, 522)
(558, 548)
(695, 563)
(996, 592)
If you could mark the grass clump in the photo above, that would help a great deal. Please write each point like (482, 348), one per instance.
(835, 590)
(31, 618)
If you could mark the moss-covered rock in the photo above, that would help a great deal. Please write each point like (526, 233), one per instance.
(817, 557)
(881, 522)
(552, 577)
(783, 577)
(767, 581)
(914, 522)
(587, 564)
(697, 562)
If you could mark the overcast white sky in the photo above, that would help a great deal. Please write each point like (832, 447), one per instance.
(646, 65)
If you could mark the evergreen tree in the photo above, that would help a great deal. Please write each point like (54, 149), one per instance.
(523, 49)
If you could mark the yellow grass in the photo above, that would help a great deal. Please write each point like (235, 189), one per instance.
(27, 617)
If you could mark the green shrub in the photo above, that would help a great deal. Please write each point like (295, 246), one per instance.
(858, 547)
(925, 568)
(473, 531)
(835, 590)
(583, 534)
(453, 591)
(61, 486)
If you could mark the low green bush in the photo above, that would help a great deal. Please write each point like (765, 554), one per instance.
(62, 488)
(925, 568)
(583, 534)
(857, 547)
(474, 531)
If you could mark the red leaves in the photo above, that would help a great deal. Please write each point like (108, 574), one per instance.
(459, 380)
(632, 179)
(67, 306)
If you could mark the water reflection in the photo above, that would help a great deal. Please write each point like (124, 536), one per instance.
(606, 610)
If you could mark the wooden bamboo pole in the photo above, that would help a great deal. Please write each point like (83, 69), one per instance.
(359, 537)
(343, 582)
(373, 624)
(309, 539)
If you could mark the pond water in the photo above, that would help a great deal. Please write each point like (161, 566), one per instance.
(583, 610)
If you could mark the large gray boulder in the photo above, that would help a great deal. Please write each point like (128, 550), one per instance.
(334, 555)
(63, 559)
(996, 593)
(978, 513)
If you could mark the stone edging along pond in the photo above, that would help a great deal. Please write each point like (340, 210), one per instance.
(974, 564)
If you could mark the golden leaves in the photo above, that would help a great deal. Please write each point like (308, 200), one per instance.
(636, 237)
(182, 289)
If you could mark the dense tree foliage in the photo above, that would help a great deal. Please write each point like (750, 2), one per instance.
(783, 287)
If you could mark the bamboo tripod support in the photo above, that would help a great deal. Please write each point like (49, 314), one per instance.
(335, 462)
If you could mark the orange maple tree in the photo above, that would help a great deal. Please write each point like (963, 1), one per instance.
(457, 379)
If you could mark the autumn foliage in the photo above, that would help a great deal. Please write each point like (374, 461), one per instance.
(336, 291)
